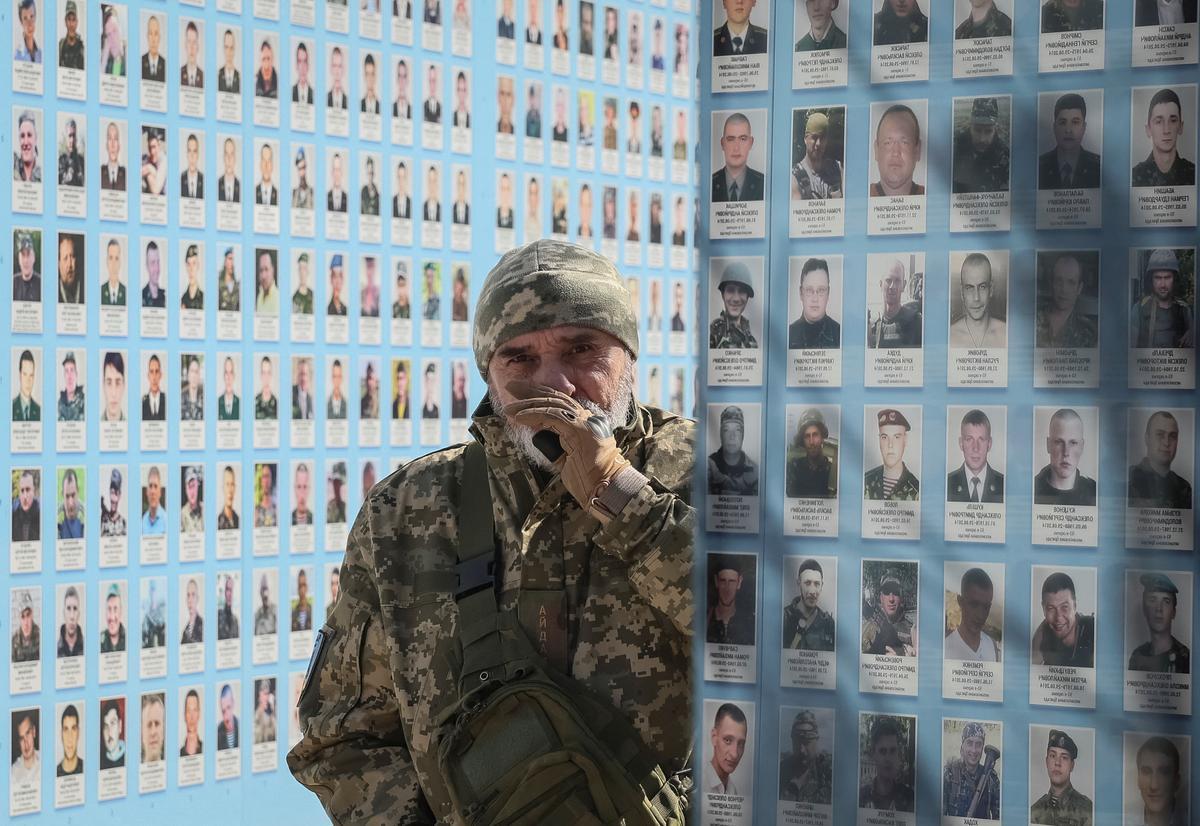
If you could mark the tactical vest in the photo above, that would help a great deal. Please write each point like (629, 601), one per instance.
(525, 744)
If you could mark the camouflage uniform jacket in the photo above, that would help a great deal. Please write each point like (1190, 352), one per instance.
(958, 790)
(819, 634)
(369, 710)
(879, 632)
(806, 782)
(907, 487)
(725, 333)
(1072, 809)
(995, 24)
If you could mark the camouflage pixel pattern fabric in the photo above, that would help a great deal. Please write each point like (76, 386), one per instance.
(369, 710)
(550, 284)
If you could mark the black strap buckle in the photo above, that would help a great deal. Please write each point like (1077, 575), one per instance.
(475, 575)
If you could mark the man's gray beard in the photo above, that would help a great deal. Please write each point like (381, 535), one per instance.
(521, 436)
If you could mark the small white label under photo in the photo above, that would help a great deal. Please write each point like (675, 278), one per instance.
(1065, 633)
(899, 62)
(1158, 636)
(809, 643)
(973, 645)
(1072, 51)
(1158, 45)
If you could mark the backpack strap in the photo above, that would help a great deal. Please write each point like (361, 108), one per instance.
(478, 554)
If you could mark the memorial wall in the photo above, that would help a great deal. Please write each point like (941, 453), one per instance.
(245, 241)
(949, 439)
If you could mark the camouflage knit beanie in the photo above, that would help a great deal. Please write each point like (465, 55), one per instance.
(551, 284)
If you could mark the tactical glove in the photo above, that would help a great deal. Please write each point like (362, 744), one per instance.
(591, 467)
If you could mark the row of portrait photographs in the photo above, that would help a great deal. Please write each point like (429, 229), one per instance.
(1071, 37)
(899, 173)
(1065, 492)
(294, 606)
(1065, 307)
(139, 732)
(75, 427)
(147, 513)
(1062, 765)
(291, 206)
(641, 46)
(1063, 630)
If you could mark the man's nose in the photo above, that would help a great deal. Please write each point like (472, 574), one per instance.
(551, 374)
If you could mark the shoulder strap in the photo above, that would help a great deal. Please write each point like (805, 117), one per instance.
(478, 556)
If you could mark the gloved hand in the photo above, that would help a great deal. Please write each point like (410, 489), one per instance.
(591, 461)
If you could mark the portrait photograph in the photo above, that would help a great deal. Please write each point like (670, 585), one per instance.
(71, 623)
(1070, 139)
(731, 599)
(1062, 762)
(1067, 453)
(806, 746)
(1063, 616)
(974, 612)
(728, 754)
(887, 754)
(889, 608)
(976, 454)
(1067, 310)
(1156, 776)
(897, 165)
(972, 770)
(1162, 139)
(895, 301)
(1160, 449)
(27, 160)
(981, 149)
(1162, 287)
(818, 153)
(810, 603)
(812, 469)
(1158, 633)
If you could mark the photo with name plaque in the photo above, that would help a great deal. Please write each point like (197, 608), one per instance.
(895, 298)
(980, 197)
(809, 638)
(1162, 318)
(1162, 129)
(900, 40)
(972, 771)
(1067, 319)
(25, 773)
(1164, 33)
(735, 355)
(821, 54)
(739, 158)
(1159, 508)
(976, 460)
(1071, 35)
(887, 767)
(891, 484)
(1069, 159)
(972, 650)
(889, 613)
(815, 289)
(69, 778)
(817, 180)
(806, 748)
(1157, 778)
(1066, 451)
(812, 470)
(1062, 760)
(728, 773)
(1158, 637)
(1063, 617)
(977, 354)
(740, 49)
(983, 38)
(731, 650)
(734, 432)
(896, 168)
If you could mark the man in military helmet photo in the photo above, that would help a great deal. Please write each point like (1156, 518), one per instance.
(806, 772)
(812, 474)
(1062, 805)
(970, 789)
(731, 472)
(1152, 482)
(587, 487)
(1163, 653)
(892, 480)
(1160, 318)
(731, 329)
